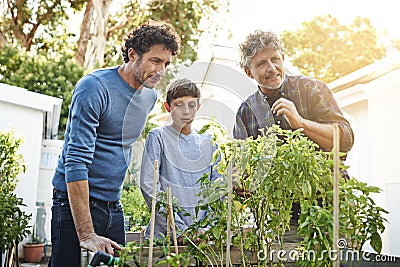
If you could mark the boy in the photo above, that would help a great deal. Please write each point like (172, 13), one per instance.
(183, 157)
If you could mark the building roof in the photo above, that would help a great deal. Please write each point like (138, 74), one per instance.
(51, 106)
(366, 74)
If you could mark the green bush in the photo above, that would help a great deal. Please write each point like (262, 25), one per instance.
(13, 221)
(135, 208)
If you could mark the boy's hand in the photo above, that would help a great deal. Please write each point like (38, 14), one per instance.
(180, 240)
(241, 192)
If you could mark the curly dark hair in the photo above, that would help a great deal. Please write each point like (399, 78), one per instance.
(143, 37)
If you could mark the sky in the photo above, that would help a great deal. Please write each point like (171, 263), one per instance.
(246, 16)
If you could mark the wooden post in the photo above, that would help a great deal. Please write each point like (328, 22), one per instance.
(172, 219)
(336, 176)
(168, 225)
(229, 216)
(153, 214)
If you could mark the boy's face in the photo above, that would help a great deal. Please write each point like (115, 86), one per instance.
(183, 110)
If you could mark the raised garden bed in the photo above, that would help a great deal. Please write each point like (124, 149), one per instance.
(276, 171)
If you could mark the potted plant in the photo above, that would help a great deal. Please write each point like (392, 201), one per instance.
(34, 248)
(13, 221)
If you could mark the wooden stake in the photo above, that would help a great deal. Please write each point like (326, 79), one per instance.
(229, 216)
(172, 219)
(153, 214)
(168, 224)
(336, 148)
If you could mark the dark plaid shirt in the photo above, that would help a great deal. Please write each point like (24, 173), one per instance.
(313, 100)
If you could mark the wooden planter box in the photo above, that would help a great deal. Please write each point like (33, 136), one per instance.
(235, 253)
(236, 257)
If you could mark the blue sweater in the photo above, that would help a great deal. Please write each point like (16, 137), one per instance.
(105, 118)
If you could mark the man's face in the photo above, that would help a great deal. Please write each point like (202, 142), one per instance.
(149, 68)
(183, 111)
(266, 68)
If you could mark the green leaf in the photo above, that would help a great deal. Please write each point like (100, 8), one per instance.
(306, 189)
(376, 242)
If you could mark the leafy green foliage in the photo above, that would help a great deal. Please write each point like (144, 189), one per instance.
(13, 221)
(276, 170)
(363, 220)
(45, 74)
(175, 260)
(129, 253)
(327, 50)
(135, 208)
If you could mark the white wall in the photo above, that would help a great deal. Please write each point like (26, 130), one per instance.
(374, 159)
(27, 123)
(50, 152)
(384, 120)
(360, 155)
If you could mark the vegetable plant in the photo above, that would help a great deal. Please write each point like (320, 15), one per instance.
(277, 170)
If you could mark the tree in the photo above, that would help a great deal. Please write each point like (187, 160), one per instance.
(185, 16)
(99, 30)
(325, 49)
(46, 74)
(93, 33)
(41, 26)
(25, 21)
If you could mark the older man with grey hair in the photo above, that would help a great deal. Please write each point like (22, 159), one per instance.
(290, 101)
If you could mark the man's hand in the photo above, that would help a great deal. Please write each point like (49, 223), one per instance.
(285, 107)
(95, 243)
(322, 134)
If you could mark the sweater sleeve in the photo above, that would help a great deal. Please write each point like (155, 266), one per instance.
(87, 104)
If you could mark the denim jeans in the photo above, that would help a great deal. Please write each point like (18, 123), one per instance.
(108, 221)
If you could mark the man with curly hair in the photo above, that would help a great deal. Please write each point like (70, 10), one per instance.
(108, 113)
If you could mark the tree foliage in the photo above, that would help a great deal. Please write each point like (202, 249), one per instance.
(185, 16)
(26, 21)
(101, 28)
(325, 49)
(45, 74)
(42, 27)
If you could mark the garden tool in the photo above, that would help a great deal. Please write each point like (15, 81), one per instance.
(102, 257)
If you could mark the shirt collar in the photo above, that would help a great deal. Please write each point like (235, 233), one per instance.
(279, 91)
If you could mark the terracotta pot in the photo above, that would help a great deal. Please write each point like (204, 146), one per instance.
(33, 252)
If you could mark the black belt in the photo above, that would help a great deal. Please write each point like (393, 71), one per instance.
(63, 197)
(102, 202)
